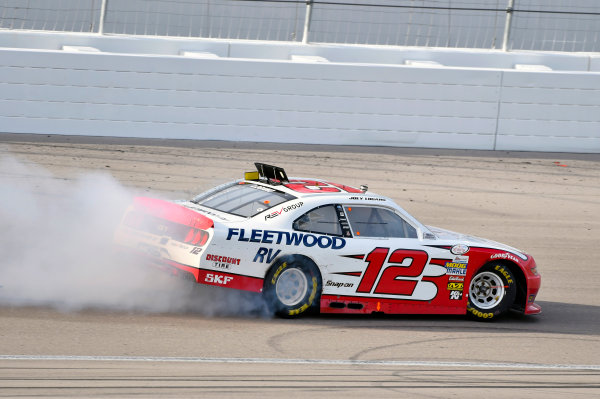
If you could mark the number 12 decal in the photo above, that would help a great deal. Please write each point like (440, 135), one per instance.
(397, 278)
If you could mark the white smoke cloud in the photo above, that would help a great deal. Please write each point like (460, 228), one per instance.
(56, 250)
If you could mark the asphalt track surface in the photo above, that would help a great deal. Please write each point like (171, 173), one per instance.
(546, 204)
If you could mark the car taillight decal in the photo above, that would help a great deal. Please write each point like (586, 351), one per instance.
(165, 228)
(199, 238)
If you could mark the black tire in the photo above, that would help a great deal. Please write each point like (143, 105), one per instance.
(292, 287)
(492, 291)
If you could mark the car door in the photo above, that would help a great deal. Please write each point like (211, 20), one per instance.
(386, 258)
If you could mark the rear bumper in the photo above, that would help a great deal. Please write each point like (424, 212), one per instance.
(199, 275)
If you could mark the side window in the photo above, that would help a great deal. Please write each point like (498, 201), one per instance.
(322, 220)
(378, 222)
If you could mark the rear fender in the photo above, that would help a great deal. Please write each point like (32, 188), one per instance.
(165, 231)
(173, 212)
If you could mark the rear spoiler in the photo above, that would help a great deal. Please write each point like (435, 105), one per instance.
(272, 174)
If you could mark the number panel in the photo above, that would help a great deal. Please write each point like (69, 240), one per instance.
(375, 260)
(402, 276)
(313, 186)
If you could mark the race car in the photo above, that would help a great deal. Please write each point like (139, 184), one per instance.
(310, 245)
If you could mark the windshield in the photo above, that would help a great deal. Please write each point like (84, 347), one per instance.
(243, 199)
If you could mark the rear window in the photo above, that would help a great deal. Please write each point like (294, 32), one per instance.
(243, 199)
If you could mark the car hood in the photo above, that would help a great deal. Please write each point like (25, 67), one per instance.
(472, 241)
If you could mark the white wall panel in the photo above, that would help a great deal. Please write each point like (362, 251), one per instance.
(260, 99)
(157, 96)
(284, 102)
(557, 111)
(541, 95)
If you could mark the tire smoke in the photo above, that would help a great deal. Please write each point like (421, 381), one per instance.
(57, 250)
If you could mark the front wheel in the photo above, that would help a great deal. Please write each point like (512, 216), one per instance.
(492, 292)
(292, 287)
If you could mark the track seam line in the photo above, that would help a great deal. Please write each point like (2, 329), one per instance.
(398, 363)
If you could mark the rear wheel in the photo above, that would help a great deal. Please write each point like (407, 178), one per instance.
(492, 292)
(292, 287)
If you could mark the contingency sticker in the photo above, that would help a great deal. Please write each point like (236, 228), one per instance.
(458, 266)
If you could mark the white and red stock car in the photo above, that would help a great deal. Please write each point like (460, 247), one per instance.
(308, 244)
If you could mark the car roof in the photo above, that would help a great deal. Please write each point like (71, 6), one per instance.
(303, 187)
(276, 178)
(319, 191)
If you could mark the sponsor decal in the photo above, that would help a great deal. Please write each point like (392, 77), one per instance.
(459, 249)
(456, 278)
(367, 198)
(262, 188)
(283, 209)
(286, 238)
(265, 254)
(458, 267)
(212, 214)
(176, 244)
(455, 286)
(343, 221)
(389, 274)
(308, 303)
(223, 262)
(217, 279)
(336, 284)
(479, 314)
(531, 298)
(456, 295)
(505, 255)
(504, 273)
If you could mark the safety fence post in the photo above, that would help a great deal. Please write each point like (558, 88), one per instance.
(508, 24)
(309, 4)
(102, 17)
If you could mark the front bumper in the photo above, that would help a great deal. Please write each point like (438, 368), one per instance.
(534, 281)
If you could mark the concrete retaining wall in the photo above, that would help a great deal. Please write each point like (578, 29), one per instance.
(249, 91)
